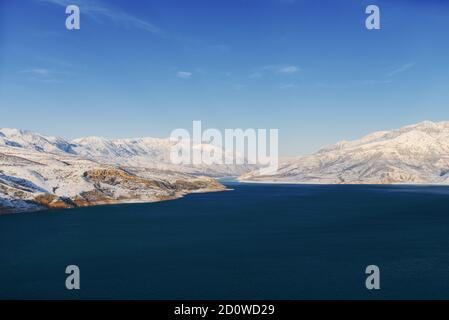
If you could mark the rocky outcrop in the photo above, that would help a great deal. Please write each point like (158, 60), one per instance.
(31, 181)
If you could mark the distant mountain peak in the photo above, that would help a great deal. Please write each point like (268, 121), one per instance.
(416, 153)
(34, 141)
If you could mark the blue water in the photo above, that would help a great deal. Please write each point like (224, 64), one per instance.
(256, 242)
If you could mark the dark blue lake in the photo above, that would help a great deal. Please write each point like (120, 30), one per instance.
(258, 241)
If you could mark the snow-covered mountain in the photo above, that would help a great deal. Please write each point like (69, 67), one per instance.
(34, 180)
(38, 171)
(34, 141)
(139, 152)
(416, 154)
(152, 153)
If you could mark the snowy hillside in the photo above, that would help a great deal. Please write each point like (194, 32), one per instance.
(140, 152)
(34, 141)
(151, 153)
(32, 180)
(413, 154)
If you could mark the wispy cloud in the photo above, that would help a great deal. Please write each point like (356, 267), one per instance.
(98, 11)
(285, 86)
(42, 75)
(288, 69)
(353, 84)
(37, 71)
(385, 79)
(63, 65)
(375, 82)
(183, 74)
(274, 69)
(401, 69)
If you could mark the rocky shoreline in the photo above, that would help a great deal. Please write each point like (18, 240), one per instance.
(35, 181)
(50, 201)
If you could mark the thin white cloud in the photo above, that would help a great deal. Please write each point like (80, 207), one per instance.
(288, 69)
(183, 74)
(275, 69)
(98, 11)
(401, 69)
(42, 75)
(374, 82)
(285, 86)
(37, 71)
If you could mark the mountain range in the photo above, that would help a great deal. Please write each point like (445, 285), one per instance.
(139, 152)
(415, 154)
(38, 172)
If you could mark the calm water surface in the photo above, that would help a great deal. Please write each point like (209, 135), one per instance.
(259, 241)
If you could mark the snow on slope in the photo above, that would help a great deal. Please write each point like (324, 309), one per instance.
(33, 180)
(413, 154)
(140, 152)
(152, 153)
(34, 141)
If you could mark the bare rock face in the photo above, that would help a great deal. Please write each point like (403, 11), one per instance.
(417, 154)
(52, 201)
(199, 183)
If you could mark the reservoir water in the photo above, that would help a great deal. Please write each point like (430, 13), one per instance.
(257, 241)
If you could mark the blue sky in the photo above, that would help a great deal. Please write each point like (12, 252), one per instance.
(143, 68)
